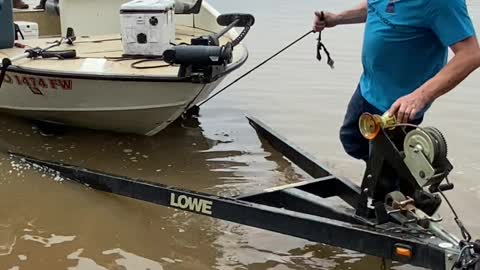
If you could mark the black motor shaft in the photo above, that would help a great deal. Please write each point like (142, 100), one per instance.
(203, 55)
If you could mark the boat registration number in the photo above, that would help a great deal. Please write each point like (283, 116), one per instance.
(37, 84)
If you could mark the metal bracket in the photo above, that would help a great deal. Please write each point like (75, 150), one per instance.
(420, 167)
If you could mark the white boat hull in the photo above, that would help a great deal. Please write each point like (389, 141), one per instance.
(95, 91)
(139, 107)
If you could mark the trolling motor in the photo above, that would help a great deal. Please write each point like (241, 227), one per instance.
(406, 173)
(205, 58)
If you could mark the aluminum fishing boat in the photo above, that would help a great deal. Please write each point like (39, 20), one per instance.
(86, 79)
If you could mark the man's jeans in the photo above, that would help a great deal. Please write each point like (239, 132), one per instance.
(353, 142)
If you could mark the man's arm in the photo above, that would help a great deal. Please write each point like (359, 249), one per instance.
(357, 14)
(450, 21)
(465, 61)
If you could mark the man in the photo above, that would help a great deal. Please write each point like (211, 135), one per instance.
(404, 59)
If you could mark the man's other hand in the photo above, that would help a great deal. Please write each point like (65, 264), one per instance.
(329, 20)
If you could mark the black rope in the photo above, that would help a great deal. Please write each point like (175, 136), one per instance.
(141, 59)
(258, 66)
(320, 46)
(465, 234)
(135, 64)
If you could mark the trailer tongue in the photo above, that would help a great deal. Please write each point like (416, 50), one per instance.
(391, 215)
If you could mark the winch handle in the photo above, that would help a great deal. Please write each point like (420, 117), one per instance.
(446, 187)
(442, 187)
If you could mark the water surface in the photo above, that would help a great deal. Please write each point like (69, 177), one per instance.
(47, 223)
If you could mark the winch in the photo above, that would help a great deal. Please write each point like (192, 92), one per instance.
(426, 156)
(417, 155)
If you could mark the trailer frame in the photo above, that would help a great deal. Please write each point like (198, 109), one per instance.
(304, 210)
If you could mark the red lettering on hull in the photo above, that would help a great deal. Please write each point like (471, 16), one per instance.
(19, 80)
(53, 83)
(36, 83)
(66, 84)
(7, 79)
(63, 84)
(42, 83)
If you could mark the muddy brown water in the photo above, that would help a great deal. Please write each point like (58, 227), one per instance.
(47, 223)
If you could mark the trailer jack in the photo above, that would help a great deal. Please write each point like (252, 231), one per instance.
(391, 215)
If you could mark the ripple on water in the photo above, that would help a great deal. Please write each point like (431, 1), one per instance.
(132, 261)
(48, 241)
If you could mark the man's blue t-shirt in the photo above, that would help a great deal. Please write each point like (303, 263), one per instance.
(406, 43)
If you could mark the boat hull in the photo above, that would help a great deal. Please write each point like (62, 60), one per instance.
(134, 106)
(103, 89)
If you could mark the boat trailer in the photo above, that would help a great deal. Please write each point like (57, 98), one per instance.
(391, 215)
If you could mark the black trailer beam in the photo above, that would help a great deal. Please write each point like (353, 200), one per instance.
(309, 197)
(376, 241)
(295, 199)
(343, 188)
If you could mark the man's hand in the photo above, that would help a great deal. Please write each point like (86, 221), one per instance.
(329, 20)
(407, 107)
(356, 15)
